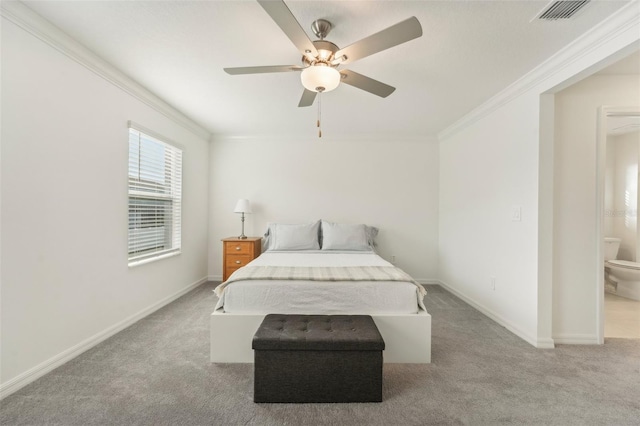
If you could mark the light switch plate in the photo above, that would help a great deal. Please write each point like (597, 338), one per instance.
(516, 213)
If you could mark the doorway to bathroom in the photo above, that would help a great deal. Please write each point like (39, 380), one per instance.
(619, 294)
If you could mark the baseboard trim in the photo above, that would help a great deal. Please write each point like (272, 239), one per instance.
(576, 339)
(49, 365)
(545, 343)
(214, 278)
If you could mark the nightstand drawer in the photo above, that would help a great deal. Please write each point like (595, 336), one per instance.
(237, 260)
(229, 271)
(238, 247)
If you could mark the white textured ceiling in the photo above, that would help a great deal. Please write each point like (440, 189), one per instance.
(469, 51)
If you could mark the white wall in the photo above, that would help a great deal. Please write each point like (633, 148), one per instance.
(625, 192)
(575, 239)
(65, 281)
(501, 155)
(392, 185)
(486, 170)
(609, 187)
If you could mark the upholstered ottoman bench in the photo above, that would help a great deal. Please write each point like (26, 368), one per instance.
(318, 358)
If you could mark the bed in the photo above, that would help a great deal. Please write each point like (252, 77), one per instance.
(321, 268)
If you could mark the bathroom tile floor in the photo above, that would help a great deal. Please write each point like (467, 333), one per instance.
(622, 317)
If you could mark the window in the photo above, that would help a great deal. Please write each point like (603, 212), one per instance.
(155, 197)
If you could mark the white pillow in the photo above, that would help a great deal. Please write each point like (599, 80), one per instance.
(372, 233)
(294, 237)
(338, 236)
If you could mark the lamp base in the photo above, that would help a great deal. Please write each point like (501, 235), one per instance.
(242, 236)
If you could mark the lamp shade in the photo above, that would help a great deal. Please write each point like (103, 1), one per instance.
(242, 206)
(320, 78)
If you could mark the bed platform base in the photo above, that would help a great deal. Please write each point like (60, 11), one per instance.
(407, 337)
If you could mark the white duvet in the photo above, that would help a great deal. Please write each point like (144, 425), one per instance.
(320, 297)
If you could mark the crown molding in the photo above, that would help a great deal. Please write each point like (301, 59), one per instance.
(327, 137)
(21, 15)
(615, 26)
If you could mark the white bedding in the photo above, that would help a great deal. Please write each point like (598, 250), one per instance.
(320, 297)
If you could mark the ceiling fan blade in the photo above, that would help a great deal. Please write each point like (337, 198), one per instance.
(366, 83)
(282, 16)
(392, 36)
(307, 98)
(261, 70)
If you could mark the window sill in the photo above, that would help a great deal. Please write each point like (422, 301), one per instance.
(134, 263)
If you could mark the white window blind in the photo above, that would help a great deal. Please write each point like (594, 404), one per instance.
(155, 197)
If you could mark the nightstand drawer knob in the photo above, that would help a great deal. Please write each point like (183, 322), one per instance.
(238, 262)
(238, 248)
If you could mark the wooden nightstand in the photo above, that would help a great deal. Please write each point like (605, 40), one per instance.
(238, 252)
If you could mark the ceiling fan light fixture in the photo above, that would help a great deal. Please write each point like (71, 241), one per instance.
(320, 78)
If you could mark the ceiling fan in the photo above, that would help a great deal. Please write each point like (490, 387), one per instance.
(321, 58)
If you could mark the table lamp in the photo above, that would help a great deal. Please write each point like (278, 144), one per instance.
(242, 206)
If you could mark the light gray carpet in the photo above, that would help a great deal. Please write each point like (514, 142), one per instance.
(157, 372)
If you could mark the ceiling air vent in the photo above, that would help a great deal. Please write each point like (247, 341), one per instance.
(561, 9)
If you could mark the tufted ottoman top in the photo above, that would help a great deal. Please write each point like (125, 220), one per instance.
(318, 333)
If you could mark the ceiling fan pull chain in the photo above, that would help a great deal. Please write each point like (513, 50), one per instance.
(319, 113)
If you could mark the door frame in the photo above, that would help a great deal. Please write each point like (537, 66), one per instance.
(604, 112)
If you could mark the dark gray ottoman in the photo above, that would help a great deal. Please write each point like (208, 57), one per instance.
(318, 358)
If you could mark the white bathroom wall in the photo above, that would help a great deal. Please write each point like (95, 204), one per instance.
(65, 282)
(609, 187)
(390, 184)
(626, 193)
(575, 241)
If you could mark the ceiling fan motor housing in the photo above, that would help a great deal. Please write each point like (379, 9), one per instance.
(326, 51)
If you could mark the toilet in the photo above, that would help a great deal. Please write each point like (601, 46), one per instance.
(623, 274)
